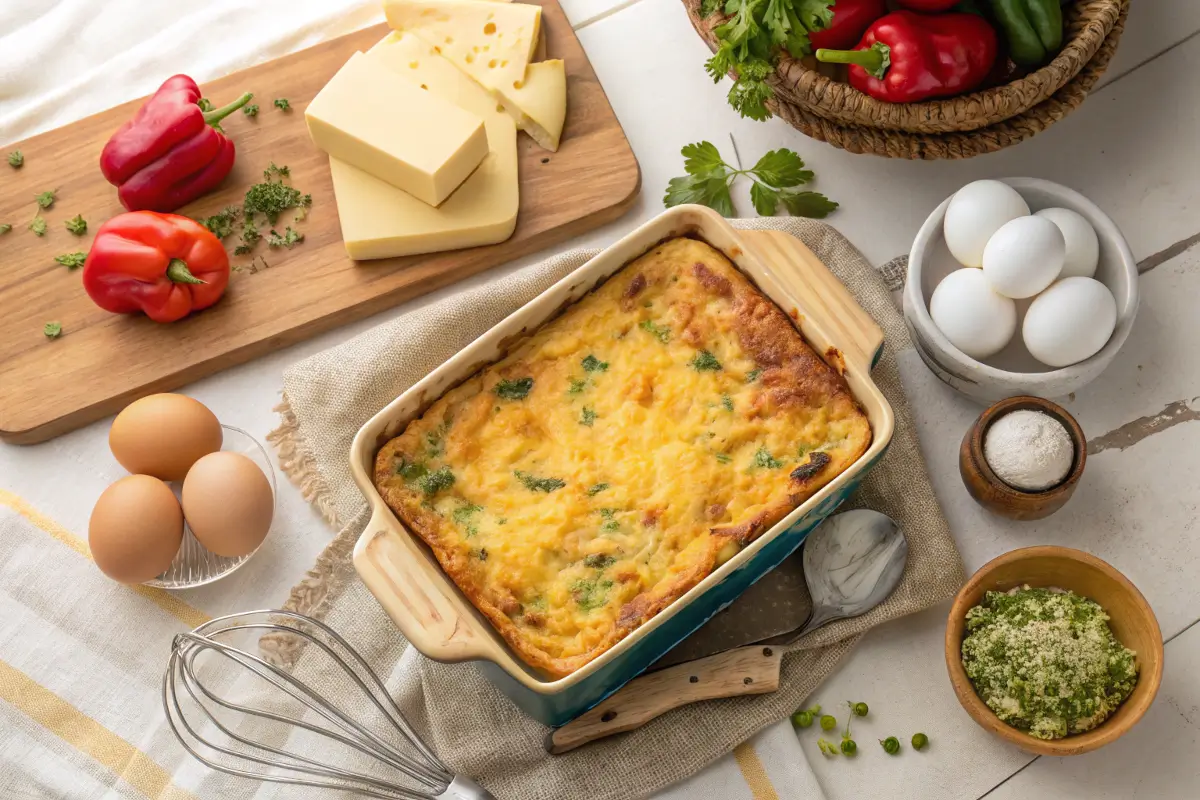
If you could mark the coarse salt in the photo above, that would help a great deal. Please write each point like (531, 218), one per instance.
(1029, 450)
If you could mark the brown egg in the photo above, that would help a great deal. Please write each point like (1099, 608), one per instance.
(228, 503)
(163, 435)
(135, 529)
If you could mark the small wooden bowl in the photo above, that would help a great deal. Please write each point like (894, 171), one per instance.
(1132, 622)
(997, 496)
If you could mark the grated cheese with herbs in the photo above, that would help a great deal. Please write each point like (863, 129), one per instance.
(1045, 661)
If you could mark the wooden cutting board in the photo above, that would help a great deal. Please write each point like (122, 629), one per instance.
(103, 361)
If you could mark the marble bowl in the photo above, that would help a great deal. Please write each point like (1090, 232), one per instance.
(1132, 622)
(1013, 371)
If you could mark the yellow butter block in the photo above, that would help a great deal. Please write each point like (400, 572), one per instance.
(379, 221)
(392, 129)
(491, 42)
(538, 104)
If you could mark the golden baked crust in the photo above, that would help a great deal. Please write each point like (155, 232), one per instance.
(621, 453)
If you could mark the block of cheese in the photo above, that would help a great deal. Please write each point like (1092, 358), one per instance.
(538, 104)
(379, 221)
(370, 118)
(491, 42)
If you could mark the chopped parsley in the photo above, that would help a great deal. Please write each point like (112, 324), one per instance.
(274, 172)
(597, 489)
(599, 561)
(763, 458)
(52, 330)
(513, 390)
(38, 226)
(77, 225)
(591, 594)
(587, 417)
(435, 439)
(410, 471)
(15, 159)
(705, 362)
(727, 402)
(5, 228)
(753, 375)
(221, 223)
(433, 482)
(481, 554)
(289, 239)
(282, 104)
(535, 484)
(610, 523)
(46, 199)
(250, 110)
(1046, 662)
(577, 386)
(660, 332)
(724, 459)
(71, 260)
(463, 517)
(250, 237)
(273, 197)
(593, 364)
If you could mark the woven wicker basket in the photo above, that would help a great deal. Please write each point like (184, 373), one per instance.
(958, 127)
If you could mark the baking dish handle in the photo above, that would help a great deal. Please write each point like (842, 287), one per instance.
(821, 294)
(408, 584)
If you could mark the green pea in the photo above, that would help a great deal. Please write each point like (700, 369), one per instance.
(891, 745)
(859, 709)
(849, 748)
(919, 741)
(802, 719)
(828, 722)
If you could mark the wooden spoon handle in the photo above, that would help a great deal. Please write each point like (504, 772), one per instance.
(742, 671)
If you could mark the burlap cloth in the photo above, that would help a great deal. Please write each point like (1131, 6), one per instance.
(467, 721)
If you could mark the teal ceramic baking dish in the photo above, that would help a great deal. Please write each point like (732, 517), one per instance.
(440, 621)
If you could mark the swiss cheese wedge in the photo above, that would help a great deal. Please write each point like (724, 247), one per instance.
(539, 103)
(380, 221)
(491, 42)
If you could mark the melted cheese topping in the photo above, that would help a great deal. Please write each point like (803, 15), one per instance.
(605, 465)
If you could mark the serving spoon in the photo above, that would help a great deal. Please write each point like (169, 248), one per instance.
(852, 563)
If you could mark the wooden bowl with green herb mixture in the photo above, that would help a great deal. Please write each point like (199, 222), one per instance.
(1130, 619)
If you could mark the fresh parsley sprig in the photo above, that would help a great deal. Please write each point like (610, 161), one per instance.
(776, 178)
(752, 39)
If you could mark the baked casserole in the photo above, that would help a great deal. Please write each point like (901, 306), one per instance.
(621, 453)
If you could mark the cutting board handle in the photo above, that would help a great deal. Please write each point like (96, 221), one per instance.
(822, 296)
(734, 673)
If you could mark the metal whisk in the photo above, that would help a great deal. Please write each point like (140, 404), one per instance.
(231, 737)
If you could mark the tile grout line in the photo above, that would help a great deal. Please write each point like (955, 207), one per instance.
(604, 14)
(1147, 60)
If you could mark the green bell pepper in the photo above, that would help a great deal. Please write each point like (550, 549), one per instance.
(1033, 29)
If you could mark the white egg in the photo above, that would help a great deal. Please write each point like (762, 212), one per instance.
(1070, 321)
(977, 211)
(975, 319)
(1024, 256)
(1083, 247)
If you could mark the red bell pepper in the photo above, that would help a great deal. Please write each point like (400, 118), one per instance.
(850, 19)
(928, 6)
(163, 264)
(171, 152)
(906, 57)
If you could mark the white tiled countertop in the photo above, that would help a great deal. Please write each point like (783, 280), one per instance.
(1133, 149)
